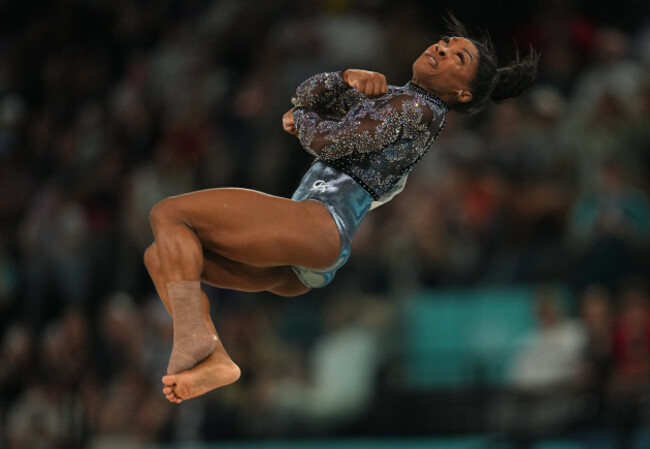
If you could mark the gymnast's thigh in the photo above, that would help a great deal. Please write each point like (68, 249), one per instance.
(259, 229)
(225, 273)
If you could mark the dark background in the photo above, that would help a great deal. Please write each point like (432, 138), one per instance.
(502, 294)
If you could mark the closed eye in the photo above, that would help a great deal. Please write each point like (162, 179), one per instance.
(445, 39)
(462, 58)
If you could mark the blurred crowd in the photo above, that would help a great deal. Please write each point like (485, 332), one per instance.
(107, 107)
(581, 371)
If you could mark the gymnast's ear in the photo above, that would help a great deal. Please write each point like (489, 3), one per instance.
(464, 96)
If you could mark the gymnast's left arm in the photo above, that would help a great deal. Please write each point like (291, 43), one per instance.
(334, 93)
(322, 92)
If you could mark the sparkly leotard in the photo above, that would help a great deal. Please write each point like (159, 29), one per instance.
(376, 141)
(364, 148)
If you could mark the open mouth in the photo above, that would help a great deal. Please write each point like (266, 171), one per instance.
(431, 60)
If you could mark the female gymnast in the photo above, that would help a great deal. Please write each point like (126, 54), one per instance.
(366, 136)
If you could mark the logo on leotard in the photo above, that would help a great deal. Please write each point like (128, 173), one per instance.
(321, 186)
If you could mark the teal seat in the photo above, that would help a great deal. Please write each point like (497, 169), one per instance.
(460, 338)
(434, 343)
(501, 318)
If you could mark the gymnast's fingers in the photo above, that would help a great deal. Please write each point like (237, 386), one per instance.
(377, 88)
(361, 85)
(380, 84)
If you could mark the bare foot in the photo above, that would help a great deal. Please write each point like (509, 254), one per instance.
(190, 350)
(214, 372)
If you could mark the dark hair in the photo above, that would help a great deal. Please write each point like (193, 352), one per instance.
(492, 82)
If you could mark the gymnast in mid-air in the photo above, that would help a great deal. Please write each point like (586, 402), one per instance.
(365, 136)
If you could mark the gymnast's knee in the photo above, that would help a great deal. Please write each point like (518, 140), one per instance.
(162, 212)
(151, 260)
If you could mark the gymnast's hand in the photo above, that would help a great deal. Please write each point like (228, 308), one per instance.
(371, 84)
(288, 123)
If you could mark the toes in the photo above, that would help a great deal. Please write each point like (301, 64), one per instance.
(169, 381)
(171, 397)
(170, 394)
(169, 390)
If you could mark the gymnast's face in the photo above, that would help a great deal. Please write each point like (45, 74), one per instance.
(447, 69)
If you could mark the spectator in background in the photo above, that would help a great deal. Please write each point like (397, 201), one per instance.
(342, 370)
(54, 237)
(631, 376)
(607, 94)
(121, 341)
(598, 354)
(49, 410)
(34, 420)
(16, 370)
(637, 136)
(8, 281)
(609, 226)
(545, 370)
(129, 415)
(351, 341)
(565, 34)
(549, 357)
(612, 72)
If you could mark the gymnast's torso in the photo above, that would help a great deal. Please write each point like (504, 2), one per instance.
(364, 148)
(375, 141)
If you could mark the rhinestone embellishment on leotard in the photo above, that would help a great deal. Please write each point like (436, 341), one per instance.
(376, 141)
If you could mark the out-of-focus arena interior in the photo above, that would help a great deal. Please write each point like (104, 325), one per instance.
(501, 301)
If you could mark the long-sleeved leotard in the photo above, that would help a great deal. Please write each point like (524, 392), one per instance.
(376, 141)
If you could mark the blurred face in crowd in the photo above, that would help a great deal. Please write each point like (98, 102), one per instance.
(447, 69)
(634, 311)
(595, 308)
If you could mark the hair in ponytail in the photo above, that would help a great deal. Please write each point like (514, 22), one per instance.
(516, 77)
(492, 82)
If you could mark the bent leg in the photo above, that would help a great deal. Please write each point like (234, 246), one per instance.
(225, 273)
(223, 369)
(229, 274)
(240, 225)
(218, 369)
(212, 373)
(194, 336)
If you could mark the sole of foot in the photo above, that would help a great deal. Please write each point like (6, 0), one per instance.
(214, 372)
